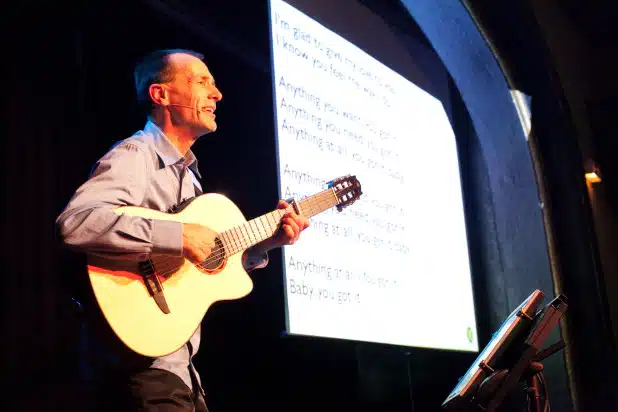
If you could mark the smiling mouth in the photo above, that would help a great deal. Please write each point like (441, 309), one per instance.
(209, 110)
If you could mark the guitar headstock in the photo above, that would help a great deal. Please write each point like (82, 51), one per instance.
(347, 189)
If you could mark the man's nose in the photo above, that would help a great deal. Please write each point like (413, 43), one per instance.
(215, 94)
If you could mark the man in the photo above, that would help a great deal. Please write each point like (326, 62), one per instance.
(155, 168)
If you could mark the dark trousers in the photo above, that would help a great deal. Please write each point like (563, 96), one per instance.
(149, 390)
(115, 379)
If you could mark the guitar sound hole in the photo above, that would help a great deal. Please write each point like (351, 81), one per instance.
(216, 258)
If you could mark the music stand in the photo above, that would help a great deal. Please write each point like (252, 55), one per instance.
(512, 355)
(513, 329)
(526, 366)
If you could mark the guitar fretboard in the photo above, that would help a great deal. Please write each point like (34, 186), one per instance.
(244, 236)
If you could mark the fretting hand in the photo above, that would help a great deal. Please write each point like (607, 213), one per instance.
(292, 225)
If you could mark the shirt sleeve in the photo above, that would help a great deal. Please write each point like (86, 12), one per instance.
(89, 223)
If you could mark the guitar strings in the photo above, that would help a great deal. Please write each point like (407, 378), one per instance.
(167, 270)
(312, 202)
(213, 257)
(169, 267)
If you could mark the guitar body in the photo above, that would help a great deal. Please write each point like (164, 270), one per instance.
(188, 290)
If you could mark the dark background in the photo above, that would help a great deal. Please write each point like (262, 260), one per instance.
(533, 222)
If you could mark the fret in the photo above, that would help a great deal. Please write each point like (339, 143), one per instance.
(251, 232)
(305, 205)
(263, 229)
(264, 222)
(250, 229)
(226, 243)
(249, 240)
(241, 239)
(255, 228)
(234, 243)
(315, 203)
(318, 203)
(275, 219)
(234, 240)
(273, 222)
(280, 214)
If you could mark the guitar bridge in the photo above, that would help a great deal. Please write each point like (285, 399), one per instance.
(153, 284)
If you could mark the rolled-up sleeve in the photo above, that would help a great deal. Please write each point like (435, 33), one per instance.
(90, 224)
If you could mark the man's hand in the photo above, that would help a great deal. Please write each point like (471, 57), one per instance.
(292, 225)
(197, 242)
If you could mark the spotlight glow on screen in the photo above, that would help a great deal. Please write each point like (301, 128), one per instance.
(393, 267)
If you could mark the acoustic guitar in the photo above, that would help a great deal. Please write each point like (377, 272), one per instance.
(156, 305)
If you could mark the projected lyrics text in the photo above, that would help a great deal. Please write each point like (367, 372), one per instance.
(312, 292)
(318, 281)
(301, 115)
(297, 102)
(301, 43)
(369, 210)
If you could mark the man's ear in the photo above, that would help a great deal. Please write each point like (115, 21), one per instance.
(158, 94)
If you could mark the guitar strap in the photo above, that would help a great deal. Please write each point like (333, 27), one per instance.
(197, 190)
(197, 387)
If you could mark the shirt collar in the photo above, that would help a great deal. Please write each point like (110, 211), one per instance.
(168, 153)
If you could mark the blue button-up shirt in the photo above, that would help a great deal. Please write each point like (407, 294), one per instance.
(144, 170)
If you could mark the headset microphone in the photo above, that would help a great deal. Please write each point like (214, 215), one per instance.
(196, 111)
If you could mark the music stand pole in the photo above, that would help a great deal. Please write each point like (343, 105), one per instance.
(535, 397)
(536, 368)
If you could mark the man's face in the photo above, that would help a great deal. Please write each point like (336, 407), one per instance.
(193, 95)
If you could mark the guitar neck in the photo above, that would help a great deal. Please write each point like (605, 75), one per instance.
(244, 236)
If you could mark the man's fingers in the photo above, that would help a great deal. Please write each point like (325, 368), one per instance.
(201, 252)
(194, 258)
(290, 233)
(292, 223)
